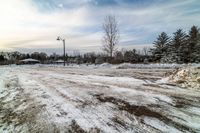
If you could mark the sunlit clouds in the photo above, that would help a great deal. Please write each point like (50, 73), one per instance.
(35, 24)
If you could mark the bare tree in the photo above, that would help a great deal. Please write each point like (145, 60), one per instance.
(111, 35)
(146, 50)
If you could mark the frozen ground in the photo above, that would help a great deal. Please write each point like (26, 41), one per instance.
(103, 98)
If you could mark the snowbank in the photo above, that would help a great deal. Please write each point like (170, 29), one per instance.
(122, 66)
(187, 77)
(149, 66)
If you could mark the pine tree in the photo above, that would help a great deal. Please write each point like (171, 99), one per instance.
(192, 42)
(196, 51)
(131, 56)
(2, 58)
(160, 46)
(178, 47)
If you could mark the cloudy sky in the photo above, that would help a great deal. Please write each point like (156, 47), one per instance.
(33, 25)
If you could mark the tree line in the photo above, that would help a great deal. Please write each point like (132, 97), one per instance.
(182, 47)
(132, 56)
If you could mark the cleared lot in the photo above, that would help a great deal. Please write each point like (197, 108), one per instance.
(90, 99)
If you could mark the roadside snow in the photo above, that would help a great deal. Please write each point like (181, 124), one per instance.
(149, 66)
(123, 66)
(93, 99)
(188, 77)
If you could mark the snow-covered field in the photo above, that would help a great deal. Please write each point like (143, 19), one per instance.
(104, 98)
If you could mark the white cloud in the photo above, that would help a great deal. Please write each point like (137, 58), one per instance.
(22, 25)
(21, 22)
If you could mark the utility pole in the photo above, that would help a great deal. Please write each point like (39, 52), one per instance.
(63, 40)
(64, 50)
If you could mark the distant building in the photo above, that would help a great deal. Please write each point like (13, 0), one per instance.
(28, 61)
(59, 62)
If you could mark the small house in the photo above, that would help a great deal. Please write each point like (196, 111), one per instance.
(28, 61)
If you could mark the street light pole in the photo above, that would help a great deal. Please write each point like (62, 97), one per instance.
(64, 50)
(63, 40)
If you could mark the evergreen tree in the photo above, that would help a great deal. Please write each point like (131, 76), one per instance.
(178, 47)
(2, 58)
(192, 42)
(196, 51)
(160, 46)
(131, 56)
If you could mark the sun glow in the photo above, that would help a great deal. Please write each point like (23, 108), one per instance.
(35, 24)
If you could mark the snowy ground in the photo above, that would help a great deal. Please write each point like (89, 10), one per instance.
(103, 98)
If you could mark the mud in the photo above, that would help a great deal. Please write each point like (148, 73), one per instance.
(72, 100)
(142, 111)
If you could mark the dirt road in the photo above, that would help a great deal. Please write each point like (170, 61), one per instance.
(56, 99)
